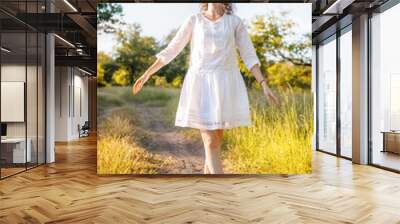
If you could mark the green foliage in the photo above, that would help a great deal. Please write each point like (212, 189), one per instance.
(135, 52)
(106, 67)
(274, 38)
(179, 65)
(177, 82)
(108, 15)
(121, 77)
(285, 74)
(110, 97)
(270, 35)
(160, 81)
(100, 76)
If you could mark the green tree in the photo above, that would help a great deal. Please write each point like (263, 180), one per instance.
(275, 41)
(274, 34)
(135, 52)
(106, 67)
(179, 65)
(108, 15)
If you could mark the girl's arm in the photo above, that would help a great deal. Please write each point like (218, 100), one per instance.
(180, 40)
(250, 59)
(157, 65)
(256, 71)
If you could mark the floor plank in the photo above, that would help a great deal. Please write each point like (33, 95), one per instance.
(70, 191)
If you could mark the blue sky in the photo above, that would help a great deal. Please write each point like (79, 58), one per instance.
(158, 19)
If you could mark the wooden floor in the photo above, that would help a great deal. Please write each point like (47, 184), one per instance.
(69, 191)
(10, 171)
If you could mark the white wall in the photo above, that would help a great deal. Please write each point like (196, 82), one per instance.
(79, 115)
(62, 81)
(71, 94)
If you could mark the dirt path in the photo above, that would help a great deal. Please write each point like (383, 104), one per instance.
(186, 152)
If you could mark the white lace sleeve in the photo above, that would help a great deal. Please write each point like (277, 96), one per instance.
(246, 48)
(181, 38)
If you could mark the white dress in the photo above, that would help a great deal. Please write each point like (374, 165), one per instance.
(213, 94)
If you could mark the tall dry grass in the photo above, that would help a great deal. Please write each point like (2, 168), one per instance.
(119, 148)
(278, 141)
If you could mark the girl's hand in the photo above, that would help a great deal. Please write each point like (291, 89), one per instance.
(269, 95)
(139, 83)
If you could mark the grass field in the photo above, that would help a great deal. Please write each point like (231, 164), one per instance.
(279, 141)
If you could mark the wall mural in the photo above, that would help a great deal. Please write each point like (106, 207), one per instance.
(215, 88)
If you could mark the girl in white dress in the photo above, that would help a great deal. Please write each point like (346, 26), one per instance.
(213, 95)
